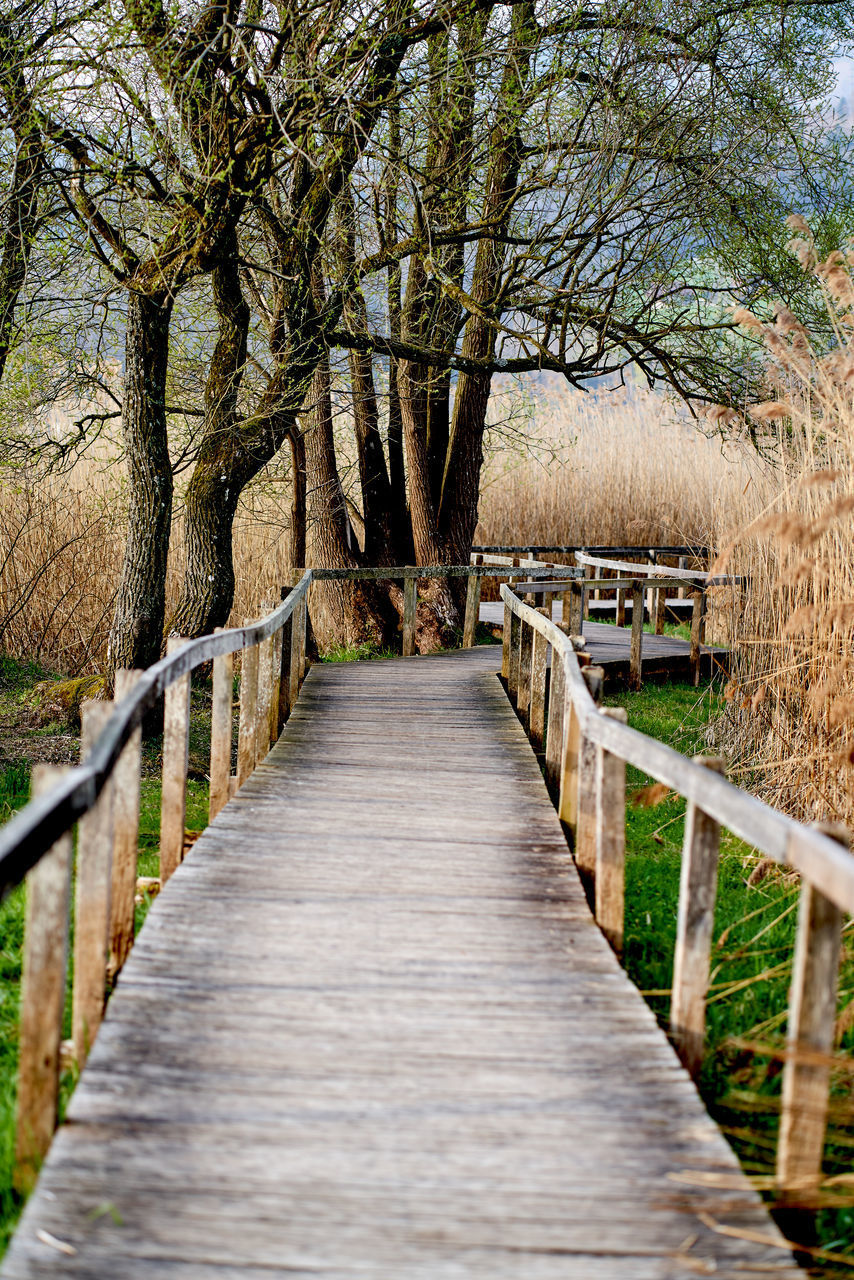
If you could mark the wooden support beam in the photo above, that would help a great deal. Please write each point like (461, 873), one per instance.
(410, 604)
(697, 613)
(285, 668)
(526, 649)
(611, 839)
(621, 606)
(265, 698)
(568, 803)
(636, 648)
(92, 897)
(515, 642)
(812, 1018)
(585, 819)
(660, 607)
(126, 788)
(577, 608)
(296, 657)
(555, 725)
(472, 611)
(176, 749)
(506, 641)
(302, 615)
(695, 923)
(221, 731)
(45, 961)
(249, 660)
(537, 707)
(275, 685)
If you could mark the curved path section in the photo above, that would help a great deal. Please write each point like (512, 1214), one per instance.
(371, 1030)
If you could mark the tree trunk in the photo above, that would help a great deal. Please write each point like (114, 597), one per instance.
(214, 490)
(137, 632)
(298, 516)
(342, 613)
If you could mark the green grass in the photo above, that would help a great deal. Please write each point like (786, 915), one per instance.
(751, 960)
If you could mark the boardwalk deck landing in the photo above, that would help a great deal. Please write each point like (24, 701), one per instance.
(370, 1030)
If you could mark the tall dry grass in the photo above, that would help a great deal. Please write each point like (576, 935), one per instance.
(791, 698)
(628, 467)
(61, 547)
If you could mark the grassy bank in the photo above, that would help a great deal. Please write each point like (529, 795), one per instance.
(754, 935)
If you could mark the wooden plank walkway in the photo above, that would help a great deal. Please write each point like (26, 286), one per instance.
(610, 646)
(370, 1030)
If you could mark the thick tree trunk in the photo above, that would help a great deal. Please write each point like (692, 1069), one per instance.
(342, 613)
(298, 508)
(137, 632)
(215, 486)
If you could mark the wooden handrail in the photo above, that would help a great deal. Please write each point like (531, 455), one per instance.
(654, 570)
(589, 757)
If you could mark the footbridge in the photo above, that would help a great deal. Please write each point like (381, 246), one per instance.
(371, 1026)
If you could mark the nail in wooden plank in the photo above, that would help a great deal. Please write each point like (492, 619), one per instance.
(45, 959)
(694, 927)
(92, 897)
(176, 759)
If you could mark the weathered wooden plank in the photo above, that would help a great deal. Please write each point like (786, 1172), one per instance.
(695, 923)
(410, 603)
(636, 653)
(176, 748)
(246, 729)
(812, 1019)
(539, 672)
(221, 732)
(611, 839)
(126, 790)
(471, 613)
(42, 998)
(353, 1002)
(92, 897)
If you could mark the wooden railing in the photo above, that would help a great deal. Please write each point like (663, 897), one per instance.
(102, 796)
(586, 749)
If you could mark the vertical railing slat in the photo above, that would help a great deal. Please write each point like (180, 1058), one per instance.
(92, 897)
(126, 778)
(472, 610)
(249, 661)
(694, 927)
(221, 732)
(410, 604)
(176, 747)
(45, 959)
(611, 839)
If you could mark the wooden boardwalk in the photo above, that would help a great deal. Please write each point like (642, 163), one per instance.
(610, 647)
(371, 1030)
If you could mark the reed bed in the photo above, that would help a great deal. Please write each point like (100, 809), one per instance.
(790, 722)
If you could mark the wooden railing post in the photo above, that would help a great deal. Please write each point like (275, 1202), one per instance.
(472, 610)
(296, 657)
(249, 660)
(621, 606)
(812, 1018)
(265, 697)
(92, 897)
(695, 922)
(285, 668)
(275, 685)
(555, 725)
(221, 731)
(568, 802)
(537, 707)
(636, 648)
(697, 615)
(611, 839)
(410, 603)
(526, 648)
(683, 560)
(126, 780)
(585, 811)
(515, 643)
(578, 607)
(42, 997)
(660, 607)
(589, 572)
(506, 643)
(302, 613)
(176, 746)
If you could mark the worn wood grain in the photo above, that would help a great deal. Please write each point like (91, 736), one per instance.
(246, 728)
(370, 1029)
(176, 747)
(221, 732)
(611, 839)
(42, 998)
(92, 897)
(126, 789)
